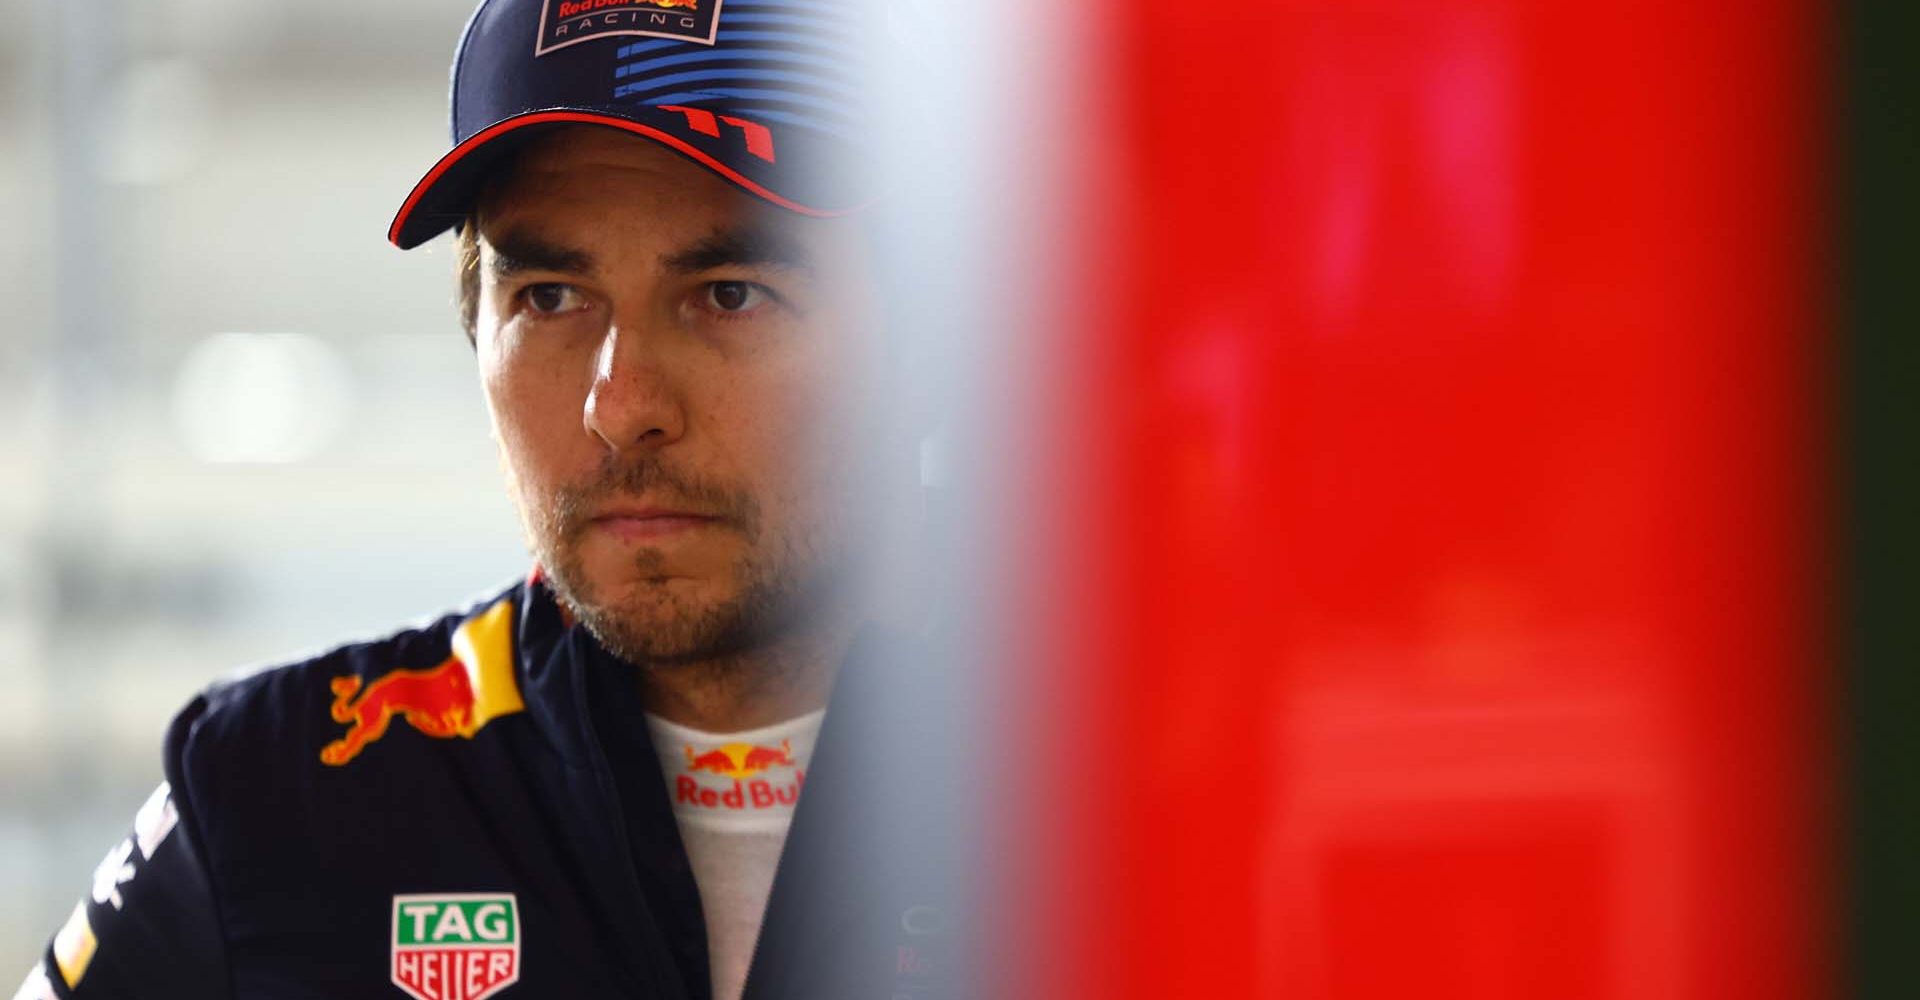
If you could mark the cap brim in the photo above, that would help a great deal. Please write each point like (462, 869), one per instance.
(444, 197)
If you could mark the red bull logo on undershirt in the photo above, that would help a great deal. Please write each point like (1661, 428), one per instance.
(762, 777)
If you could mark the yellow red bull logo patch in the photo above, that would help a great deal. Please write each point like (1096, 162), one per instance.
(471, 687)
(762, 777)
(456, 946)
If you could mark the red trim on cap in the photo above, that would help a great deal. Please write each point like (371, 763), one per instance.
(698, 119)
(494, 131)
(759, 140)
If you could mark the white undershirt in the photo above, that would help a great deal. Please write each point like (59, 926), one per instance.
(733, 795)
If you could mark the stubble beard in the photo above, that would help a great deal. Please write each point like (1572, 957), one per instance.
(653, 623)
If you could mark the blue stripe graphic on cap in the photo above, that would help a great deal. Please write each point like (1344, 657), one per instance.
(734, 37)
(837, 67)
(653, 46)
(763, 115)
(729, 35)
(731, 74)
(737, 94)
(784, 62)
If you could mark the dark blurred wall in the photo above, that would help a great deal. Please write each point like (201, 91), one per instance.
(1880, 272)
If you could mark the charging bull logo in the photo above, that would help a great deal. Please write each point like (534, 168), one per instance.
(438, 702)
(740, 760)
(464, 692)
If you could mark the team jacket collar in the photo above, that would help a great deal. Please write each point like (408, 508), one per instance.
(553, 656)
(866, 898)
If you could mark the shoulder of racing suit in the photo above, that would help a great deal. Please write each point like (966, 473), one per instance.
(246, 804)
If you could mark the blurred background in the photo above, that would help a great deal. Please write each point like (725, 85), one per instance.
(1478, 488)
(225, 401)
(1451, 468)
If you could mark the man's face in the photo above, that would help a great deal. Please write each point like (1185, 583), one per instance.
(680, 380)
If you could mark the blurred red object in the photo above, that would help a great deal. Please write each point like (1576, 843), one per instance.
(1433, 491)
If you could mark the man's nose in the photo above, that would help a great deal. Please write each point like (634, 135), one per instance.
(634, 401)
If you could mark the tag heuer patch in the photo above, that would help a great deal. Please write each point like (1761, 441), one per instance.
(456, 946)
(564, 22)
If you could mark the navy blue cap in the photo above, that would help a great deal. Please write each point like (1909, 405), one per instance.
(765, 93)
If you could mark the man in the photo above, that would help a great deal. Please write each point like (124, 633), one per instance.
(583, 786)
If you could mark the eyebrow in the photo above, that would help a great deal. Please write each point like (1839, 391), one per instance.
(743, 247)
(749, 246)
(516, 253)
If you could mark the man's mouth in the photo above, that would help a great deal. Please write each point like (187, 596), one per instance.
(642, 523)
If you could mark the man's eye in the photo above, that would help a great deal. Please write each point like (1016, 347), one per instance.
(735, 296)
(551, 297)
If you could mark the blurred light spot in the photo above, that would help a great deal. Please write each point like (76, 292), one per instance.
(911, 26)
(936, 459)
(260, 397)
(155, 124)
(1210, 374)
(1470, 124)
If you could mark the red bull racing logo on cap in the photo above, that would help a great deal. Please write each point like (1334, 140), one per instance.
(564, 22)
(751, 768)
(462, 693)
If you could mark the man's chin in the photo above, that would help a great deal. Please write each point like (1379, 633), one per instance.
(666, 621)
(679, 609)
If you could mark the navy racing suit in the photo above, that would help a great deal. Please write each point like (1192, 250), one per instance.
(472, 808)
